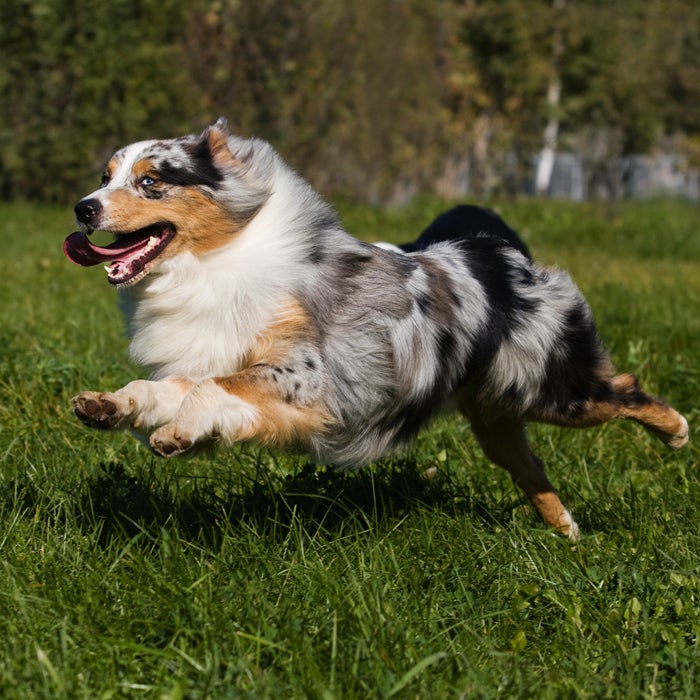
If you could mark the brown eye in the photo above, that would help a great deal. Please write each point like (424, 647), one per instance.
(105, 179)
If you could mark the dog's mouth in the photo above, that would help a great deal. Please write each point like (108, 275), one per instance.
(130, 256)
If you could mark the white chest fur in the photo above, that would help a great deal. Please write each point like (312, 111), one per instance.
(198, 317)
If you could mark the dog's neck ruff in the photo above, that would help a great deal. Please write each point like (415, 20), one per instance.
(199, 316)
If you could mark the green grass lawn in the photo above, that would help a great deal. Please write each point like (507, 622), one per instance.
(259, 576)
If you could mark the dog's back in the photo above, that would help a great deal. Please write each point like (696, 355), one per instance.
(262, 319)
(462, 321)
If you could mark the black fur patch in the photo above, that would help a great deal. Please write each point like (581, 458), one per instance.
(489, 264)
(447, 348)
(573, 374)
(467, 222)
(202, 171)
(495, 272)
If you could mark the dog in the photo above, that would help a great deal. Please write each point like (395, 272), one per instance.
(259, 318)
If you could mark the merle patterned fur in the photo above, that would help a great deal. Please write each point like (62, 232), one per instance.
(377, 342)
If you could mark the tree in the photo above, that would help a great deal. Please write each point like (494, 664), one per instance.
(79, 79)
(378, 99)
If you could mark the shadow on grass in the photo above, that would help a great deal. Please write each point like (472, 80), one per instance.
(114, 502)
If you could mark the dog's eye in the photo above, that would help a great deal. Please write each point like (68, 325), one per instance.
(105, 179)
(147, 181)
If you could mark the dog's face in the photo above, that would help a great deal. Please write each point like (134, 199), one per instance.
(161, 198)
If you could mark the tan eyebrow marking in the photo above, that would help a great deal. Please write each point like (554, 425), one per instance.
(143, 166)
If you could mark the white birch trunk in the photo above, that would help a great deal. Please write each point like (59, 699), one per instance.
(545, 165)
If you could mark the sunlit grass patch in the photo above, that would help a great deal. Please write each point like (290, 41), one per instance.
(259, 575)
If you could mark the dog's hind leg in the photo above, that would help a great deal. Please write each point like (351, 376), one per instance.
(504, 442)
(624, 398)
(653, 413)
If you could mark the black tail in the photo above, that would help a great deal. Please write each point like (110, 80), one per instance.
(467, 221)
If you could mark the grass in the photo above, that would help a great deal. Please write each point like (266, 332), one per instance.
(260, 576)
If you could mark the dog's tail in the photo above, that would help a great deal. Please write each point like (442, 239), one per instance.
(464, 222)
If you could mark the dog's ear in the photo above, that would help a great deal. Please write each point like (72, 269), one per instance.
(216, 137)
(226, 151)
(222, 124)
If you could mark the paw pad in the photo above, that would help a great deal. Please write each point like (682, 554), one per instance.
(170, 446)
(96, 411)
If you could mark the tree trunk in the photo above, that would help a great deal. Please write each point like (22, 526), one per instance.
(545, 164)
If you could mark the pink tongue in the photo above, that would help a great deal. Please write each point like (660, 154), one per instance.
(78, 248)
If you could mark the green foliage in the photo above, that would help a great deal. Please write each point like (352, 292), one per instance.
(259, 576)
(401, 97)
(81, 79)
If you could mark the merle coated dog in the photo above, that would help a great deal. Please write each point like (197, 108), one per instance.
(259, 318)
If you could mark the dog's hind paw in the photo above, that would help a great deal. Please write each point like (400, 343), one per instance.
(680, 439)
(170, 441)
(99, 410)
(677, 439)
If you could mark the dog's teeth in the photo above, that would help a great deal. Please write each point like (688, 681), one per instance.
(106, 267)
(152, 241)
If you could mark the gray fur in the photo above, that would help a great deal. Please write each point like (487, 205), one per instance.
(390, 338)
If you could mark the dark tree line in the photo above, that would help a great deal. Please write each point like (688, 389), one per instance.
(378, 99)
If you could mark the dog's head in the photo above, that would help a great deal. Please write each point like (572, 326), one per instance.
(162, 198)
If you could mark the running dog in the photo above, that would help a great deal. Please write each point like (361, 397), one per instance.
(260, 318)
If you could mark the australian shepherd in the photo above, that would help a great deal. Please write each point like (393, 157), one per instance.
(259, 318)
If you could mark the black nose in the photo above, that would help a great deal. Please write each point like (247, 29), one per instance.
(86, 210)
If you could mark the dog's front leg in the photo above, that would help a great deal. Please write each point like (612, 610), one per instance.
(267, 403)
(140, 405)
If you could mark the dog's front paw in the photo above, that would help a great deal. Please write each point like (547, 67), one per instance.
(100, 410)
(171, 441)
